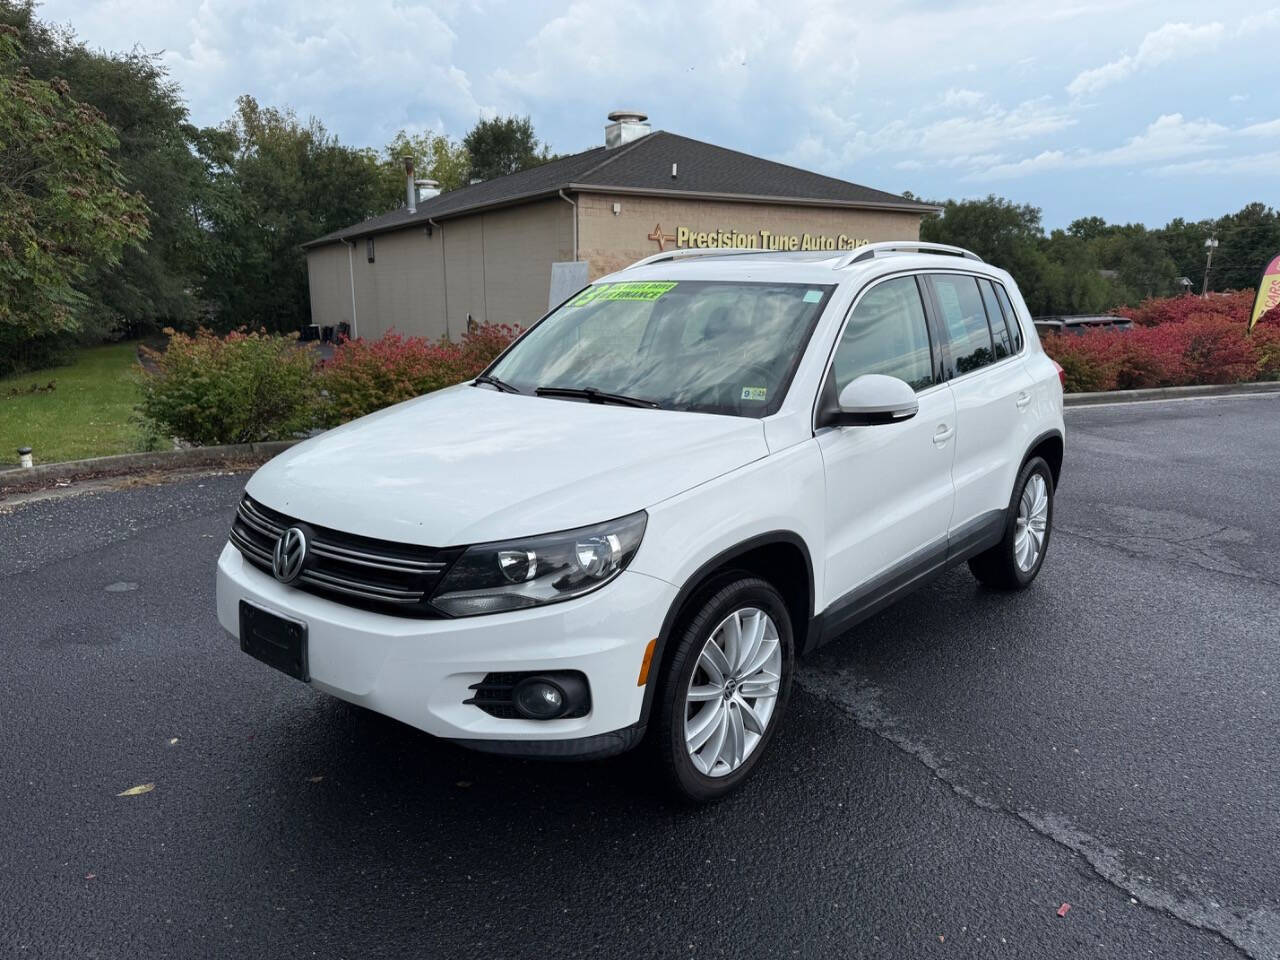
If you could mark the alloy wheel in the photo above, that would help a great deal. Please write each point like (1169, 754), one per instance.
(733, 692)
(1032, 523)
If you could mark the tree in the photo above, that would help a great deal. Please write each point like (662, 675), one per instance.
(152, 284)
(435, 157)
(1140, 261)
(63, 208)
(1248, 239)
(502, 146)
(1089, 228)
(275, 183)
(1001, 232)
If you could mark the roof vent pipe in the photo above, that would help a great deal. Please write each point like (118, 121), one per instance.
(411, 190)
(626, 126)
(427, 189)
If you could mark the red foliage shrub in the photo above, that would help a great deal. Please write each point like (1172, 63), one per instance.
(1175, 341)
(367, 375)
(1234, 305)
(1089, 361)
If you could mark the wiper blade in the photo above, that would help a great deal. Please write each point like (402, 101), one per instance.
(493, 381)
(592, 395)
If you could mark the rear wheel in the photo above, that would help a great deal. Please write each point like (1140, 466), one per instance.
(1014, 562)
(725, 688)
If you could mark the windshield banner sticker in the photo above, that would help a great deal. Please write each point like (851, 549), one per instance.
(634, 290)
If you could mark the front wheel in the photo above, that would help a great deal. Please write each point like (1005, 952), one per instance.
(1014, 562)
(725, 688)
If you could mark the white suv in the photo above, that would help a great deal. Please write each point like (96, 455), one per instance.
(629, 526)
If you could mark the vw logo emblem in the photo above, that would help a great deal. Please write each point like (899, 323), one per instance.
(289, 556)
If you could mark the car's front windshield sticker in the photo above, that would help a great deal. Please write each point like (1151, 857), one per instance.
(754, 393)
(633, 290)
(812, 296)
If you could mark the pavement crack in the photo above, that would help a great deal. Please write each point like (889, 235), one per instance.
(1182, 559)
(1254, 933)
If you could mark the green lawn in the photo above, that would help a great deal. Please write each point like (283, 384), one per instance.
(88, 414)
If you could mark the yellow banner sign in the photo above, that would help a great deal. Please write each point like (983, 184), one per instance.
(1268, 292)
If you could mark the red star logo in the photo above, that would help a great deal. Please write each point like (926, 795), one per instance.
(660, 238)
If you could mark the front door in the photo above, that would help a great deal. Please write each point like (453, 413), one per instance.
(889, 490)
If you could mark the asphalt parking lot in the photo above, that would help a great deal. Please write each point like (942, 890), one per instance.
(949, 776)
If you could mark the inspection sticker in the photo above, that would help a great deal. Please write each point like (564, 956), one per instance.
(812, 296)
(633, 290)
(754, 393)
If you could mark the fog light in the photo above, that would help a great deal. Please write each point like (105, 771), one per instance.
(539, 699)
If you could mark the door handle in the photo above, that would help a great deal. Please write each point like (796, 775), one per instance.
(1024, 398)
(943, 434)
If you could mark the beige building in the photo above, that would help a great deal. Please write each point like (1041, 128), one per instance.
(485, 253)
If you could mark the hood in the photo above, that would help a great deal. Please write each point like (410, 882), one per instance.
(468, 464)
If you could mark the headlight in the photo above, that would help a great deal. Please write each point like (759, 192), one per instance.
(493, 577)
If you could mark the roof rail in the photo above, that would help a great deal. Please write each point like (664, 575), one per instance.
(691, 253)
(869, 250)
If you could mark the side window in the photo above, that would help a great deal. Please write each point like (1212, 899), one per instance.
(886, 334)
(965, 320)
(1010, 317)
(995, 320)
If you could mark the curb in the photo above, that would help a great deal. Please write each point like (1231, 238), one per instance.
(1170, 393)
(22, 478)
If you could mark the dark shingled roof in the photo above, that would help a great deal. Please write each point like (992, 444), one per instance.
(644, 166)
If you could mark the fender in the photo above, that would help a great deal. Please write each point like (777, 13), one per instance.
(704, 575)
(1054, 433)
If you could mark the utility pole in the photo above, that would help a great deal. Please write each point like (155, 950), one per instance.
(1211, 245)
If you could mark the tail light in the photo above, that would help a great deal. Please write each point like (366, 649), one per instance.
(1062, 374)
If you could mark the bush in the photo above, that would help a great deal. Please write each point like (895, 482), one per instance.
(1234, 305)
(367, 375)
(1177, 341)
(1089, 361)
(238, 389)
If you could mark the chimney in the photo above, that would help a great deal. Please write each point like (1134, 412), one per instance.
(411, 190)
(427, 189)
(627, 125)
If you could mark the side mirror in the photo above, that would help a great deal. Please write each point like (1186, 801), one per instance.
(874, 398)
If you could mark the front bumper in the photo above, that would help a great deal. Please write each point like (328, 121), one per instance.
(421, 671)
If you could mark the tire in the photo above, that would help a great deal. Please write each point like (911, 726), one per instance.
(729, 604)
(1000, 566)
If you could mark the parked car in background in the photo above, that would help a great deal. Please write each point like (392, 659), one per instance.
(1079, 324)
(682, 478)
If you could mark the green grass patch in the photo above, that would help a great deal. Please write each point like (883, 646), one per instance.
(88, 413)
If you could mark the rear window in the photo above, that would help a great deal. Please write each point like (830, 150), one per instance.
(965, 320)
(995, 319)
(1011, 318)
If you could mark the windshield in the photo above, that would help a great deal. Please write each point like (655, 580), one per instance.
(706, 346)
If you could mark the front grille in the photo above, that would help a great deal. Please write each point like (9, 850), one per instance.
(357, 571)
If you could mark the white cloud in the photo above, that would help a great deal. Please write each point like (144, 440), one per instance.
(1169, 137)
(962, 98)
(927, 95)
(1270, 128)
(1171, 42)
(1257, 164)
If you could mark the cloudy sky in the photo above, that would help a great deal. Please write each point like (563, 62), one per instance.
(1134, 111)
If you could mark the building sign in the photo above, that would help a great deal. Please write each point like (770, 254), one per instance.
(687, 237)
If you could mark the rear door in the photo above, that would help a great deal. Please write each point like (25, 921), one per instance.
(888, 486)
(992, 391)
